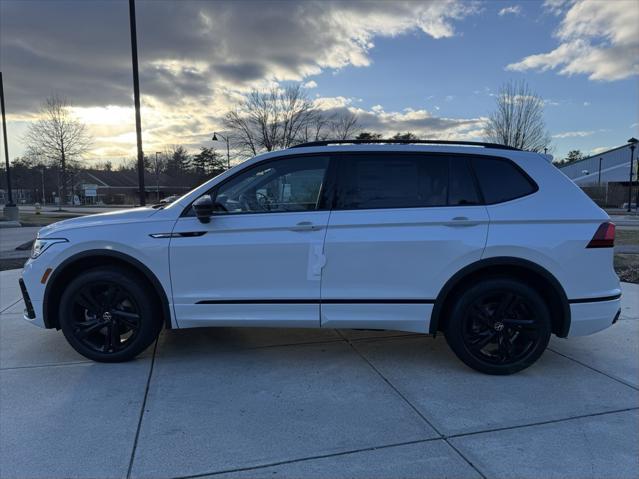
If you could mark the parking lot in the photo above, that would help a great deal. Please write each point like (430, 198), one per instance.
(305, 403)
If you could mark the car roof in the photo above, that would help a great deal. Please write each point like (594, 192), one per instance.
(396, 147)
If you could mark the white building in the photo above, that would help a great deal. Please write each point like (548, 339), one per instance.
(614, 166)
(605, 176)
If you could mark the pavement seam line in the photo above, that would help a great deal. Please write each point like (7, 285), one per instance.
(11, 306)
(413, 407)
(594, 369)
(543, 423)
(47, 365)
(387, 446)
(146, 395)
(309, 458)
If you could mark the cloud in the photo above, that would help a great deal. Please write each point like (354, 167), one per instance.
(421, 122)
(596, 38)
(573, 134)
(310, 84)
(512, 10)
(196, 58)
(600, 149)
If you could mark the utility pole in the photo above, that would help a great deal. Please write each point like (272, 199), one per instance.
(157, 176)
(599, 179)
(228, 148)
(10, 209)
(633, 142)
(136, 99)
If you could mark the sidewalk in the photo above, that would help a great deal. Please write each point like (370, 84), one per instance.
(263, 403)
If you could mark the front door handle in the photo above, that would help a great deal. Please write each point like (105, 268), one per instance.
(304, 226)
(462, 221)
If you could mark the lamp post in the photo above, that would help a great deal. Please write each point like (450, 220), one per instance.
(136, 101)
(157, 176)
(228, 148)
(10, 209)
(633, 142)
(599, 179)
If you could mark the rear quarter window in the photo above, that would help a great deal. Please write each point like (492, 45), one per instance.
(501, 180)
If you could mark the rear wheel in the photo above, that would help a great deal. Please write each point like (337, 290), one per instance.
(499, 326)
(109, 315)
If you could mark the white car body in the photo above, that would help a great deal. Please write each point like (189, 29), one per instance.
(371, 268)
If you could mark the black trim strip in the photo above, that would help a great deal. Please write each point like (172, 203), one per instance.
(186, 234)
(594, 300)
(316, 301)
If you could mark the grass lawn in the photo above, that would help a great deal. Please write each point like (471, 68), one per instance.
(623, 236)
(627, 267)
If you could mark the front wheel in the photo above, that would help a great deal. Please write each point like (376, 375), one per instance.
(499, 326)
(109, 314)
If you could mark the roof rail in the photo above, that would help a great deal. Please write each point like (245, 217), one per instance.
(496, 146)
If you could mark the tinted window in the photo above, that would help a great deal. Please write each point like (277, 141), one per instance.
(290, 184)
(500, 180)
(462, 189)
(392, 182)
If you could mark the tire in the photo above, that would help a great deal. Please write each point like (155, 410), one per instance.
(499, 326)
(109, 314)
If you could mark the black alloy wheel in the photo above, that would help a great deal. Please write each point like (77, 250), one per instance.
(105, 317)
(109, 314)
(499, 326)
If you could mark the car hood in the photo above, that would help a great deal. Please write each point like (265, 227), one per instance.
(111, 217)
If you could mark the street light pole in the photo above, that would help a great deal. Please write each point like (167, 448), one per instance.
(228, 148)
(157, 176)
(599, 179)
(136, 99)
(10, 209)
(633, 141)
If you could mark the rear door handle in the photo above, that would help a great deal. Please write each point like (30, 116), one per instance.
(304, 226)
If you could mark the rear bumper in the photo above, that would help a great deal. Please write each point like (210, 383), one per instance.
(591, 317)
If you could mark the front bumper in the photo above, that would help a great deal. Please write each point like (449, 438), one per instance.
(589, 318)
(29, 312)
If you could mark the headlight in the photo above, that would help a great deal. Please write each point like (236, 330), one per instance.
(41, 244)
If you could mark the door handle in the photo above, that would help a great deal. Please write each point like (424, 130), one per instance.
(304, 226)
(462, 221)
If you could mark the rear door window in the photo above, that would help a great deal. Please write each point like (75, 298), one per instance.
(386, 181)
(500, 180)
(462, 189)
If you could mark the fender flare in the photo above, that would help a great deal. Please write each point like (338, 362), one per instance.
(104, 253)
(501, 261)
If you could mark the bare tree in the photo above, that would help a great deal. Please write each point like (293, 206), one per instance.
(519, 119)
(344, 125)
(58, 137)
(272, 119)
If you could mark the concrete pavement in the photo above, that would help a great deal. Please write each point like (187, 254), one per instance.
(257, 403)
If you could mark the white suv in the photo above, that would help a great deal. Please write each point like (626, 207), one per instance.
(491, 245)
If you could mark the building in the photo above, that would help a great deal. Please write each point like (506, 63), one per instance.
(121, 187)
(96, 187)
(605, 176)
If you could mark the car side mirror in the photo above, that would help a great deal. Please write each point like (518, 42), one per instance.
(203, 208)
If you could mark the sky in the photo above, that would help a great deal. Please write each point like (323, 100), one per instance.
(430, 67)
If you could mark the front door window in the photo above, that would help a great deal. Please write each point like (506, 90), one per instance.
(286, 185)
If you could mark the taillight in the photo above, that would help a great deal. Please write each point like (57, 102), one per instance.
(604, 236)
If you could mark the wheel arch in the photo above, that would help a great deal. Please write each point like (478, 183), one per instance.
(534, 275)
(91, 259)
